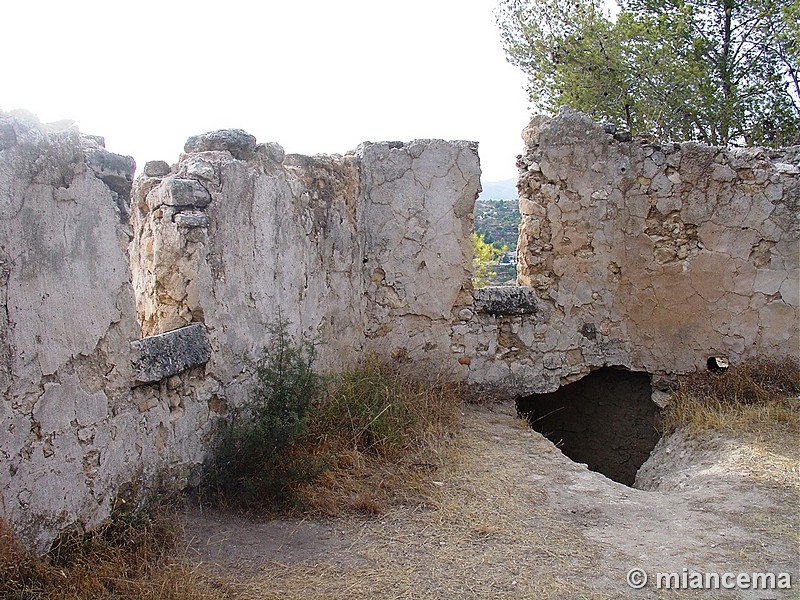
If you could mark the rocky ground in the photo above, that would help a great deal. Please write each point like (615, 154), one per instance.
(508, 516)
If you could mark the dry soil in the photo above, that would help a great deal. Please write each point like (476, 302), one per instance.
(507, 515)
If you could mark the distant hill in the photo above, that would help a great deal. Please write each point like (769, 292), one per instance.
(499, 190)
(498, 222)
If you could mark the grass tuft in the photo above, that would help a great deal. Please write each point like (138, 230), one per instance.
(757, 397)
(130, 556)
(381, 428)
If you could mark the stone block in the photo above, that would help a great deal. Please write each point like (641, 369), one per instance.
(191, 218)
(115, 170)
(175, 191)
(272, 151)
(722, 173)
(160, 356)
(506, 300)
(236, 141)
(156, 168)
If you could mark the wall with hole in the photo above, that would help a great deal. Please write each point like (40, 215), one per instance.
(129, 307)
(652, 256)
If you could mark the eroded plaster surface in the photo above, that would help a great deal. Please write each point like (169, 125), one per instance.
(130, 308)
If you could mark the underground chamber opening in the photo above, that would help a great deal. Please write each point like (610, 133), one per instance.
(607, 420)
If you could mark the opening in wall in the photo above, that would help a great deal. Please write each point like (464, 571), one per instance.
(606, 420)
(494, 239)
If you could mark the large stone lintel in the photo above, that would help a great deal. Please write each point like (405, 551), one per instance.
(166, 354)
(505, 300)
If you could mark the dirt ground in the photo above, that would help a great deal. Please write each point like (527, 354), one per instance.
(508, 516)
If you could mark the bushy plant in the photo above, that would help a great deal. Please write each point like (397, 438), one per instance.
(256, 462)
(376, 409)
(382, 427)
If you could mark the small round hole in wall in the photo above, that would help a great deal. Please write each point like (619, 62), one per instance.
(717, 364)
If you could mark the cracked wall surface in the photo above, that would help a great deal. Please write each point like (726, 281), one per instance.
(654, 257)
(130, 308)
(419, 199)
(73, 432)
(369, 252)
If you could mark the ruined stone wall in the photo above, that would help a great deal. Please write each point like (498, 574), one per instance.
(237, 233)
(418, 206)
(73, 434)
(654, 257)
(130, 309)
(368, 252)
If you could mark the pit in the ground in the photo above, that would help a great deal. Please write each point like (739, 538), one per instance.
(606, 420)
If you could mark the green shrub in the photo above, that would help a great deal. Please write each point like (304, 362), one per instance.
(382, 427)
(485, 258)
(256, 462)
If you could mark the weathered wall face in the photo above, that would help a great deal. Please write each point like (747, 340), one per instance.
(198, 258)
(652, 257)
(128, 313)
(73, 432)
(231, 236)
(418, 206)
(369, 251)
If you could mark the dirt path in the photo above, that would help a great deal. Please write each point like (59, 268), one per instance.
(509, 516)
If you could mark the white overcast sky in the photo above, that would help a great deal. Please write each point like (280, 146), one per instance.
(315, 76)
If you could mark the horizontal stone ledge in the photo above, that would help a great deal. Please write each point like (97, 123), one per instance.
(505, 300)
(159, 356)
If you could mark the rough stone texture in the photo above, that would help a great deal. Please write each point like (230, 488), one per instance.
(73, 435)
(239, 143)
(647, 256)
(160, 356)
(115, 170)
(418, 258)
(505, 300)
(370, 251)
(651, 258)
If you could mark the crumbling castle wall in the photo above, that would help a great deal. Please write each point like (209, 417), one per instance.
(418, 206)
(368, 252)
(648, 256)
(130, 308)
(75, 436)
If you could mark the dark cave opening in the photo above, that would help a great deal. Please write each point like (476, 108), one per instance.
(606, 420)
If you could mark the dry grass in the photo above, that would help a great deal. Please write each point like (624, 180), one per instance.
(757, 403)
(381, 429)
(477, 532)
(131, 556)
(757, 398)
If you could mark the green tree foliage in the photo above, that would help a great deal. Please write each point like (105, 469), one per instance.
(485, 258)
(716, 71)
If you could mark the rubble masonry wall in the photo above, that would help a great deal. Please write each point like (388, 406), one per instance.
(129, 308)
